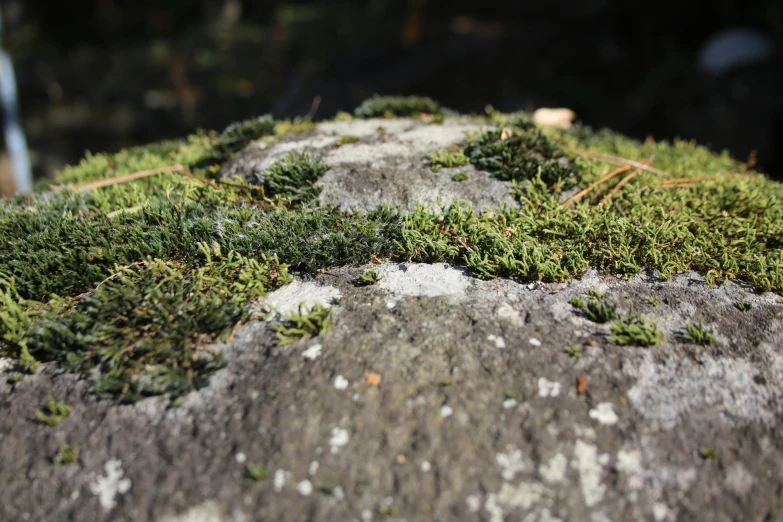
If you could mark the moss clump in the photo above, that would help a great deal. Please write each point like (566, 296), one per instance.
(743, 306)
(303, 323)
(344, 140)
(237, 135)
(695, 333)
(522, 153)
(369, 277)
(446, 158)
(54, 413)
(636, 330)
(255, 472)
(600, 310)
(460, 176)
(144, 330)
(67, 454)
(292, 178)
(397, 106)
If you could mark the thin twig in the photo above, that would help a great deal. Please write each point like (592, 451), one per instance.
(625, 180)
(174, 169)
(137, 263)
(617, 160)
(581, 193)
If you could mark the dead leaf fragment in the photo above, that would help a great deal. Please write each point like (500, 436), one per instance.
(581, 385)
(560, 117)
(373, 379)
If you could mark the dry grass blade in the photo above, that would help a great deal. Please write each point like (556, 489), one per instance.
(579, 195)
(174, 169)
(617, 160)
(625, 180)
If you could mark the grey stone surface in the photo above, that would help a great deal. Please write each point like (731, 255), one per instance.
(389, 164)
(477, 416)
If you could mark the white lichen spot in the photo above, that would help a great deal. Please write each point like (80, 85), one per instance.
(662, 512)
(588, 464)
(446, 411)
(497, 340)
(604, 413)
(493, 508)
(367, 515)
(473, 502)
(338, 493)
(305, 488)
(511, 462)
(509, 403)
(534, 342)
(739, 480)
(629, 463)
(426, 466)
(313, 352)
(107, 487)
(390, 305)
(340, 438)
(240, 457)
(548, 388)
(313, 469)
(524, 496)
(554, 470)
(281, 476)
(340, 382)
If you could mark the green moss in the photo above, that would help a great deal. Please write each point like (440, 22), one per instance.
(577, 302)
(292, 178)
(573, 351)
(653, 301)
(460, 176)
(256, 472)
(743, 306)
(522, 153)
(369, 277)
(397, 106)
(54, 413)
(696, 334)
(636, 330)
(303, 323)
(446, 158)
(343, 140)
(67, 454)
(600, 310)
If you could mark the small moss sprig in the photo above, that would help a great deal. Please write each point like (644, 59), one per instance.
(636, 330)
(67, 454)
(600, 310)
(444, 158)
(743, 306)
(255, 472)
(54, 412)
(369, 277)
(303, 323)
(577, 302)
(696, 334)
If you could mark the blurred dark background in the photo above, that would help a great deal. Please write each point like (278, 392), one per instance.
(104, 74)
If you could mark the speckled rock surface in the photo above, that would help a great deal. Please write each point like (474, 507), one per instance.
(389, 164)
(480, 413)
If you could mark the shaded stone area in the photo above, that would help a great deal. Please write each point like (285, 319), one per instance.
(478, 415)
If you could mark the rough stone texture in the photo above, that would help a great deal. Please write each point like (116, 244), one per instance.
(389, 164)
(477, 417)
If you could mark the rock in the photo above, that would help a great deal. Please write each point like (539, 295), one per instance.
(435, 396)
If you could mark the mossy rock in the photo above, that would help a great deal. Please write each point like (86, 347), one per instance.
(213, 293)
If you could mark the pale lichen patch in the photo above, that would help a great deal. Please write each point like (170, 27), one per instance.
(107, 487)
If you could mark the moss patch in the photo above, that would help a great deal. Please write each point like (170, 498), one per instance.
(129, 284)
(397, 106)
